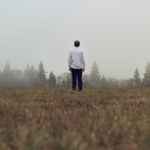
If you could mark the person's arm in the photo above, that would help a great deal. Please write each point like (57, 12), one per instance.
(69, 61)
(83, 61)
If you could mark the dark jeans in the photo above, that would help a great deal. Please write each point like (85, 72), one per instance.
(76, 75)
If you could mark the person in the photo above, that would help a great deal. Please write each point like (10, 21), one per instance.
(76, 64)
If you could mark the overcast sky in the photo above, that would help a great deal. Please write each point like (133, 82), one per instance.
(114, 33)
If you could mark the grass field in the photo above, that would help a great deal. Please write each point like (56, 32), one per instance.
(60, 119)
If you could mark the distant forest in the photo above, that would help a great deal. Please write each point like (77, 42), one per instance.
(36, 77)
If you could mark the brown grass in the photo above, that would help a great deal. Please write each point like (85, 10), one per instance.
(60, 119)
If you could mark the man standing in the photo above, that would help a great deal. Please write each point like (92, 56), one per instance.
(76, 64)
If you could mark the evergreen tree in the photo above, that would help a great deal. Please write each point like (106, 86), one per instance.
(7, 76)
(103, 82)
(1, 79)
(7, 69)
(136, 78)
(17, 74)
(146, 80)
(41, 75)
(130, 82)
(27, 72)
(52, 80)
(94, 76)
(31, 76)
(86, 80)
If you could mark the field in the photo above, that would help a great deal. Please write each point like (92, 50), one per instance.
(60, 119)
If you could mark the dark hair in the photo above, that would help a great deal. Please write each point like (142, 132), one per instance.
(77, 43)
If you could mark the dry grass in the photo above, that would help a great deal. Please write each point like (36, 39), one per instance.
(60, 119)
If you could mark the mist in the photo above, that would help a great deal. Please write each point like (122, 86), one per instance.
(115, 34)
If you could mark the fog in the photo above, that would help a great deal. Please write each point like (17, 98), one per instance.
(113, 33)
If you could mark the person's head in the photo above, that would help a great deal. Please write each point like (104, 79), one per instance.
(77, 43)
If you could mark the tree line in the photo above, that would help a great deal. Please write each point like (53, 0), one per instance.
(36, 77)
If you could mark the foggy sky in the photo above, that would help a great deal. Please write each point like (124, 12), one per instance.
(115, 33)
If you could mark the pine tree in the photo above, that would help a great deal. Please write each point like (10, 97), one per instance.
(52, 80)
(86, 80)
(31, 76)
(146, 80)
(95, 76)
(27, 73)
(7, 69)
(136, 78)
(7, 76)
(103, 82)
(41, 75)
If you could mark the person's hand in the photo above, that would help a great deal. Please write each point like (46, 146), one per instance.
(70, 69)
(83, 70)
